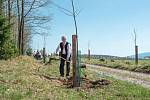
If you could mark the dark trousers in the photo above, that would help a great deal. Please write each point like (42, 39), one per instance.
(62, 63)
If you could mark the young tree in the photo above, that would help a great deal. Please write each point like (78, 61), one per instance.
(136, 47)
(73, 13)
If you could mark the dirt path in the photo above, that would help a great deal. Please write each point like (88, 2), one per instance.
(134, 77)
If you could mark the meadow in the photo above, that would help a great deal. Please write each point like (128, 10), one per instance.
(23, 78)
(143, 66)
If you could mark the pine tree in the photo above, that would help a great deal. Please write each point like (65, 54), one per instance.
(7, 44)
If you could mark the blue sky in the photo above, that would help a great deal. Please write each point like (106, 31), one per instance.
(107, 24)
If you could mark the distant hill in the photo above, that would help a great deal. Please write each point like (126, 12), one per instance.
(141, 55)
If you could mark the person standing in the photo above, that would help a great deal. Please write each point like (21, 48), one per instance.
(64, 49)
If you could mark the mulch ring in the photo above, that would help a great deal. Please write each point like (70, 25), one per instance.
(87, 83)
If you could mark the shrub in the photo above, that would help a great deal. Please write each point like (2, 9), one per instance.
(8, 50)
(7, 45)
(112, 60)
(102, 60)
(29, 52)
(128, 63)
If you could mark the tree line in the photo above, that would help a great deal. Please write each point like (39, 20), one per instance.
(19, 21)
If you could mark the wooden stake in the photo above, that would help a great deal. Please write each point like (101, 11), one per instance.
(76, 82)
(136, 55)
(44, 55)
(89, 54)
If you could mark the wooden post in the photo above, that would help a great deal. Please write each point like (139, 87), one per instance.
(76, 82)
(89, 54)
(44, 55)
(136, 55)
(88, 50)
(136, 48)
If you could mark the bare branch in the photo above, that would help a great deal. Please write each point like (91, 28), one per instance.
(30, 8)
(64, 10)
(41, 5)
(78, 12)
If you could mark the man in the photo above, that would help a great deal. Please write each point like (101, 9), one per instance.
(65, 54)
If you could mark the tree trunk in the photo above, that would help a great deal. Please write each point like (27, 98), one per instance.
(19, 23)
(75, 23)
(22, 29)
(1, 6)
(9, 11)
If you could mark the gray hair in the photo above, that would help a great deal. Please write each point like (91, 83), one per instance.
(63, 37)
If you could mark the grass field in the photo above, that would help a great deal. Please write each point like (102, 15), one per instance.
(22, 79)
(144, 65)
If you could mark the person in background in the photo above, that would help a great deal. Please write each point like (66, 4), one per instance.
(64, 49)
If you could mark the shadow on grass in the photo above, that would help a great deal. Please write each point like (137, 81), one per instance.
(86, 83)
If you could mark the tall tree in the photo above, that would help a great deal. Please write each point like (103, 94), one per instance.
(7, 46)
(9, 11)
(25, 9)
(1, 6)
(19, 23)
(22, 29)
(25, 18)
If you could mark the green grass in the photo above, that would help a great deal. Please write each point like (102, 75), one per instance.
(20, 79)
(144, 65)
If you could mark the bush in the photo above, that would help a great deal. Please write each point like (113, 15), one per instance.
(102, 60)
(7, 45)
(112, 60)
(8, 51)
(29, 52)
(128, 63)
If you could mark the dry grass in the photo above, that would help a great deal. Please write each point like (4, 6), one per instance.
(23, 78)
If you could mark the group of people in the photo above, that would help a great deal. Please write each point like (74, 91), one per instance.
(39, 54)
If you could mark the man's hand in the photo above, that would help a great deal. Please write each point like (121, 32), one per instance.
(67, 58)
(56, 54)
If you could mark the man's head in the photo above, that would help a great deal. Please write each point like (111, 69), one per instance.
(63, 38)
